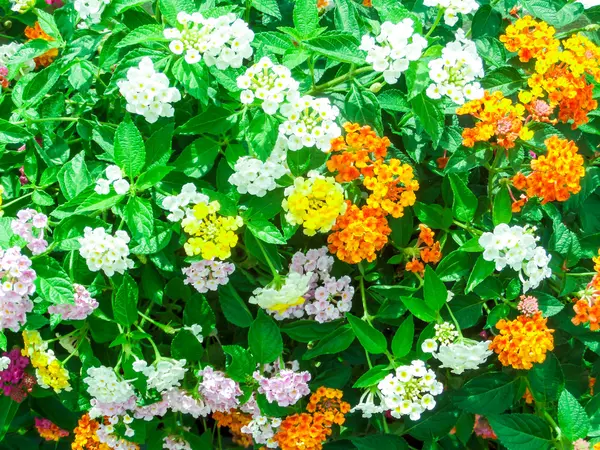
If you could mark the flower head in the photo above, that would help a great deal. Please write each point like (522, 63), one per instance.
(392, 187)
(463, 355)
(83, 305)
(49, 431)
(102, 251)
(36, 32)
(282, 294)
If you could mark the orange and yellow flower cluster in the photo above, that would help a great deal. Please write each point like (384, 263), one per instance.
(48, 430)
(36, 32)
(362, 231)
(235, 420)
(308, 431)
(523, 341)
(86, 437)
(555, 175)
(428, 251)
(587, 308)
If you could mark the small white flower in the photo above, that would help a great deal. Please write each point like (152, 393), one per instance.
(102, 186)
(113, 173)
(429, 346)
(121, 186)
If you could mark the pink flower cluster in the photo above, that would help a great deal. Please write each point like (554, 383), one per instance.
(219, 392)
(327, 297)
(83, 306)
(12, 378)
(27, 222)
(180, 401)
(528, 305)
(17, 284)
(208, 275)
(48, 430)
(173, 442)
(285, 388)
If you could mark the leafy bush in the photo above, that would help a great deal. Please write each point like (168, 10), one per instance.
(299, 225)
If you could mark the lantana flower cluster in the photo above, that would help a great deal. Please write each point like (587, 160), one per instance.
(285, 388)
(17, 286)
(178, 205)
(207, 275)
(426, 250)
(114, 178)
(283, 293)
(452, 8)
(50, 373)
(83, 305)
(102, 251)
(30, 225)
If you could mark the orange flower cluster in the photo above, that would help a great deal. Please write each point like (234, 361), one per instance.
(429, 253)
(554, 176)
(36, 32)
(86, 437)
(308, 431)
(587, 308)
(48, 430)
(353, 155)
(559, 80)
(523, 341)
(359, 234)
(235, 420)
(498, 119)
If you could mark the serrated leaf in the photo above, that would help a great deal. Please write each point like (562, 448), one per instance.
(521, 431)
(266, 231)
(573, 421)
(370, 338)
(337, 45)
(130, 153)
(490, 393)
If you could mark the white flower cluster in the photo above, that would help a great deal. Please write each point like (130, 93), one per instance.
(208, 275)
(110, 395)
(21, 6)
(177, 205)
(147, 92)
(163, 375)
(462, 355)
(327, 298)
(173, 442)
(180, 401)
(223, 41)
(516, 247)
(445, 332)
(106, 435)
(309, 122)
(282, 293)
(452, 8)
(267, 82)
(366, 405)
(410, 390)
(102, 251)
(262, 429)
(393, 49)
(454, 74)
(7, 52)
(255, 177)
(4, 363)
(196, 330)
(114, 178)
(90, 10)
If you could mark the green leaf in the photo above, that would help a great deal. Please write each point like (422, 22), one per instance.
(572, 418)
(186, 346)
(403, 339)
(592, 408)
(40, 85)
(372, 376)
(306, 16)
(434, 216)
(498, 312)
(145, 33)
(240, 363)
(346, 17)
(194, 78)
(266, 231)
(158, 148)
(335, 342)
(370, 338)
(8, 410)
(130, 153)
(486, 22)
(337, 45)
(235, 310)
(48, 24)
(12, 134)
(52, 282)
(269, 7)
(454, 266)
(507, 80)
(549, 305)
(262, 134)
(521, 431)
(379, 442)
(546, 379)
(139, 218)
(490, 393)
(198, 311)
(69, 230)
(152, 176)
(125, 300)
(430, 116)
(212, 121)
(198, 158)
(418, 307)
(481, 271)
(264, 339)
(42, 198)
(502, 210)
(74, 176)
(464, 204)
(434, 291)
(361, 106)
(170, 9)
(393, 100)
(308, 330)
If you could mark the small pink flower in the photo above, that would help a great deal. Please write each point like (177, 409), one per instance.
(528, 305)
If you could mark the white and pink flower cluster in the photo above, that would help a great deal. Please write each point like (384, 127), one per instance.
(30, 225)
(263, 429)
(219, 392)
(177, 205)
(208, 275)
(17, 279)
(83, 305)
(163, 375)
(285, 387)
(102, 251)
(173, 442)
(110, 395)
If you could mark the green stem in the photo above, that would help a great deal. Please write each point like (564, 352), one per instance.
(363, 296)
(17, 199)
(580, 274)
(454, 319)
(269, 263)
(47, 119)
(470, 229)
(438, 19)
(166, 328)
(339, 80)
(157, 354)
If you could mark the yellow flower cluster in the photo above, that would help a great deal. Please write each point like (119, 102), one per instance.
(211, 235)
(49, 371)
(314, 202)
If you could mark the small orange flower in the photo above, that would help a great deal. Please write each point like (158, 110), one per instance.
(36, 32)
(329, 402)
(235, 420)
(517, 205)
(555, 175)
(591, 385)
(359, 234)
(426, 235)
(523, 341)
(392, 187)
(86, 437)
(49, 431)
(302, 432)
(415, 266)
(431, 254)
